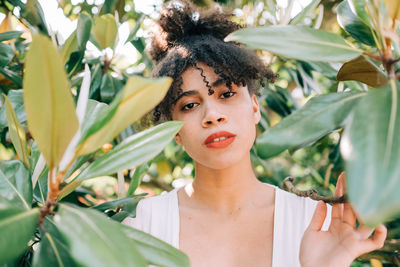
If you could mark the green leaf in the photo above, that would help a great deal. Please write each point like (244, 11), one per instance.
(12, 76)
(48, 102)
(156, 251)
(5, 36)
(96, 240)
(137, 98)
(105, 30)
(305, 12)
(371, 147)
(16, 229)
(319, 116)
(108, 89)
(137, 177)
(16, 98)
(33, 13)
(296, 42)
(117, 202)
(68, 47)
(16, 183)
(83, 30)
(52, 250)
(133, 151)
(363, 70)
(353, 24)
(358, 8)
(17, 132)
(6, 54)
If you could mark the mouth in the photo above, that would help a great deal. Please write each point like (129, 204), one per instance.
(219, 139)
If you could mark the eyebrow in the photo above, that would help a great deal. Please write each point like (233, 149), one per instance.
(216, 83)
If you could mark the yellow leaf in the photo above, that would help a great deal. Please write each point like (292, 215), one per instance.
(105, 30)
(17, 132)
(48, 102)
(5, 26)
(375, 263)
(393, 7)
(163, 168)
(139, 96)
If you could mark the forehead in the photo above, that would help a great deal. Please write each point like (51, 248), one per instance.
(198, 77)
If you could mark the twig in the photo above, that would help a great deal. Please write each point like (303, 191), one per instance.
(313, 194)
(376, 57)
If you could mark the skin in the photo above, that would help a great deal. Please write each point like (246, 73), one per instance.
(226, 193)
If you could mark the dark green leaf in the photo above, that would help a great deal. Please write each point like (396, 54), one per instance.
(52, 250)
(16, 229)
(318, 117)
(107, 88)
(118, 202)
(6, 54)
(16, 183)
(12, 76)
(133, 151)
(371, 147)
(296, 42)
(156, 251)
(96, 240)
(17, 101)
(75, 60)
(363, 70)
(83, 30)
(353, 24)
(5, 36)
(136, 178)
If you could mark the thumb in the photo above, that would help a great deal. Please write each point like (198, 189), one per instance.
(319, 217)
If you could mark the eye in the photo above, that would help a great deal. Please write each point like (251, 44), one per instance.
(228, 94)
(189, 106)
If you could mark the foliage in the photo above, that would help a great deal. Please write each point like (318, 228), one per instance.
(321, 105)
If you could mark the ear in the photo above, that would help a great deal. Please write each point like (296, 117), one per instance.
(256, 109)
(178, 139)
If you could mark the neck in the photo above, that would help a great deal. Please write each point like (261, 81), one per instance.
(224, 190)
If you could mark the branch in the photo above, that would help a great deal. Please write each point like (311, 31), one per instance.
(313, 194)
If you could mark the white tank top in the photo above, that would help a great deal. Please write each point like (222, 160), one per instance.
(159, 216)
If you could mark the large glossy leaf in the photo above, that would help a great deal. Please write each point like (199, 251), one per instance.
(83, 30)
(133, 151)
(105, 30)
(5, 36)
(358, 7)
(16, 184)
(17, 132)
(6, 54)
(363, 70)
(353, 24)
(16, 98)
(16, 229)
(138, 97)
(52, 250)
(96, 240)
(296, 42)
(48, 102)
(371, 147)
(117, 202)
(318, 117)
(156, 251)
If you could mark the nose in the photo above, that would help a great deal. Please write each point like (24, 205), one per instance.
(213, 117)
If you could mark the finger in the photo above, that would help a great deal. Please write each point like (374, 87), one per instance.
(377, 241)
(364, 231)
(318, 218)
(337, 209)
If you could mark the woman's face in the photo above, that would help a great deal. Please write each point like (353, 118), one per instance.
(219, 129)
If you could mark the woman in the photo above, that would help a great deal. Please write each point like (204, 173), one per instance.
(226, 217)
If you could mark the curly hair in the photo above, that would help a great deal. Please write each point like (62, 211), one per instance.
(186, 35)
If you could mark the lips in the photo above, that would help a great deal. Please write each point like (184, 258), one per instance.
(219, 139)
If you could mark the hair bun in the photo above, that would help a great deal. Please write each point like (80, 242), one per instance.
(181, 19)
